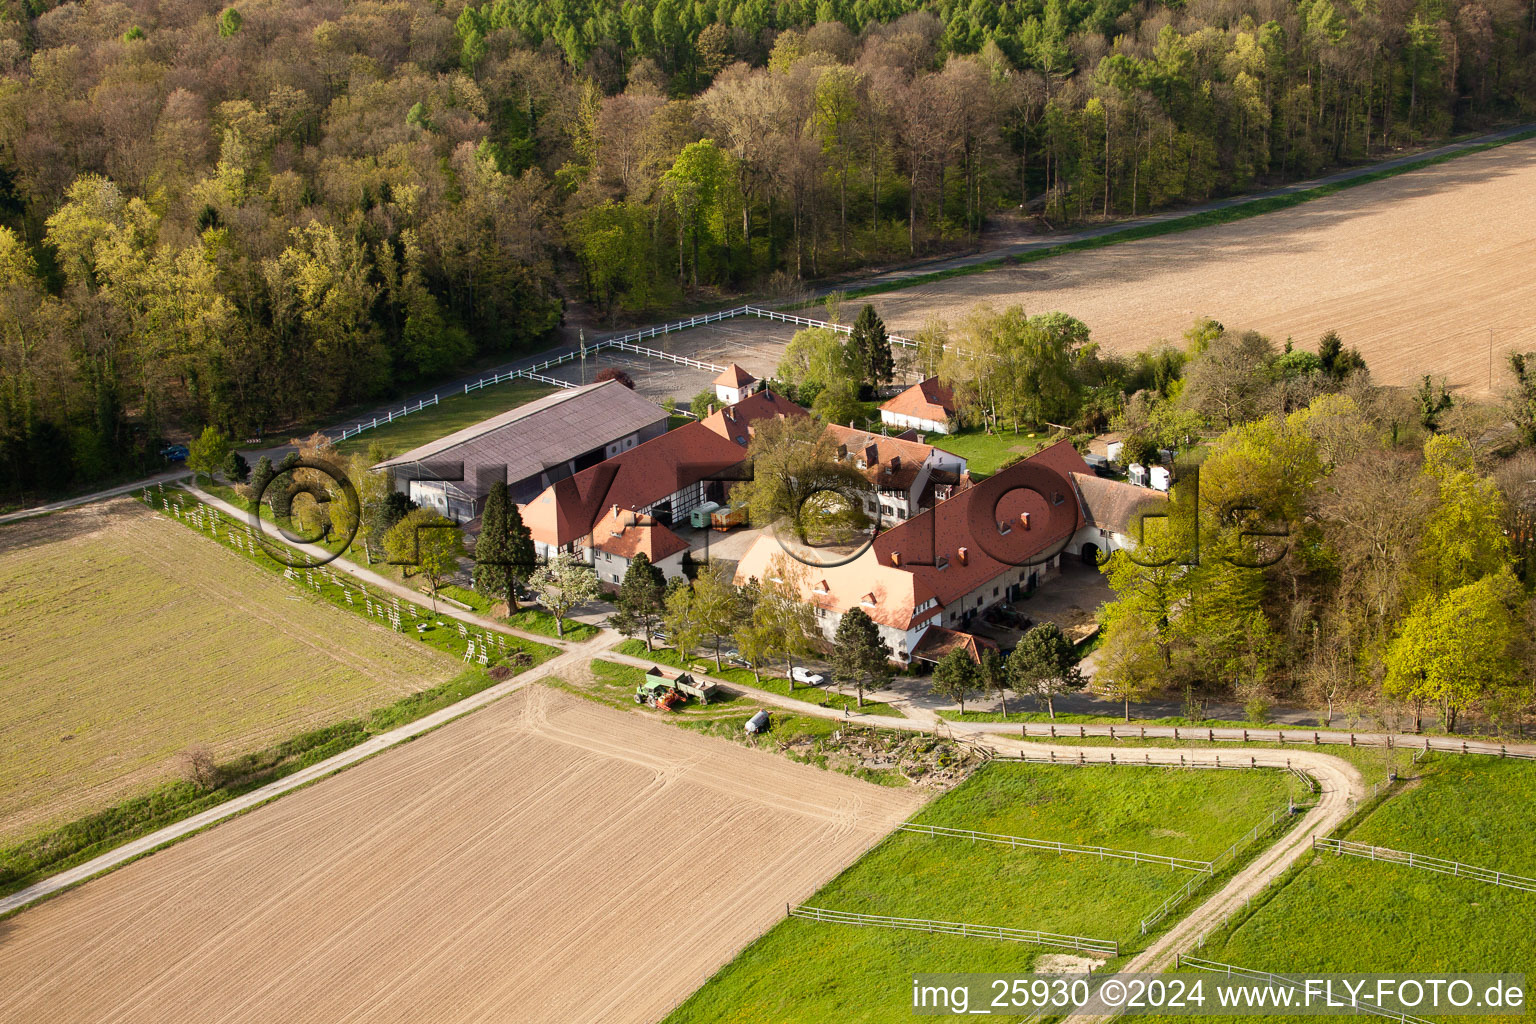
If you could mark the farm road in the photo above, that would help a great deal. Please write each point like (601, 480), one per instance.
(384, 583)
(86, 499)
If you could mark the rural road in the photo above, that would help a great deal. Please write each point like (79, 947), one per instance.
(383, 583)
(86, 499)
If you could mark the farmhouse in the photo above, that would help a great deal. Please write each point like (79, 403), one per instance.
(621, 535)
(662, 479)
(927, 406)
(906, 475)
(530, 447)
(987, 544)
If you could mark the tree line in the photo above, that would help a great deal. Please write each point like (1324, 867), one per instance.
(253, 217)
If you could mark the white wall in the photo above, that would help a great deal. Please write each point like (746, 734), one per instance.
(927, 426)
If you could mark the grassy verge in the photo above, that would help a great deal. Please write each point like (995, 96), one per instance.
(773, 684)
(805, 971)
(93, 835)
(454, 411)
(1191, 222)
(1344, 914)
(341, 591)
(532, 620)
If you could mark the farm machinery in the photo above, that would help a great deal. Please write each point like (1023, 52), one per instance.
(657, 690)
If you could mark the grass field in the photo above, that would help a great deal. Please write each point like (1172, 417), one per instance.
(818, 695)
(813, 972)
(543, 860)
(985, 453)
(452, 412)
(1344, 914)
(127, 639)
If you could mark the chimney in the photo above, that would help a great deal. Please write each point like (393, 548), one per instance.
(711, 408)
(850, 424)
(895, 557)
(960, 554)
(1024, 519)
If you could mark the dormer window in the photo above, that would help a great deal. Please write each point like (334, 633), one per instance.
(942, 562)
(1004, 529)
(868, 600)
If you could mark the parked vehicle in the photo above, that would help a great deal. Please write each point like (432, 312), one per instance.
(805, 675)
(175, 453)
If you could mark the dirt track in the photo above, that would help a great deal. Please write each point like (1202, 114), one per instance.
(545, 859)
(1413, 270)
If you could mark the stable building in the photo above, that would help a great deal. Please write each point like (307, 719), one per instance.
(663, 479)
(987, 544)
(927, 406)
(530, 447)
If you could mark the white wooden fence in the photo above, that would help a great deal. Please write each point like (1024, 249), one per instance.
(1105, 947)
(1223, 859)
(1247, 974)
(627, 342)
(1050, 846)
(388, 417)
(1424, 862)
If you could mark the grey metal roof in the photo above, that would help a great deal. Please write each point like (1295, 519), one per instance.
(542, 433)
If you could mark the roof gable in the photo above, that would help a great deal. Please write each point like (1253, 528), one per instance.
(928, 399)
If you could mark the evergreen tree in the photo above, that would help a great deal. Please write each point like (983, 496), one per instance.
(860, 657)
(504, 553)
(640, 598)
(235, 469)
(871, 348)
(956, 676)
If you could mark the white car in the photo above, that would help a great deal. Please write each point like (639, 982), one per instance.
(805, 675)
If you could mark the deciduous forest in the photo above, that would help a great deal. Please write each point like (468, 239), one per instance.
(250, 216)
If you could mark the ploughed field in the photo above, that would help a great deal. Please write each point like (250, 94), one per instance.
(1413, 270)
(126, 638)
(544, 859)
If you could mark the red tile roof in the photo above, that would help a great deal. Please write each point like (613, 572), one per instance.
(938, 641)
(952, 549)
(889, 462)
(649, 472)
(926, 400)
(735, 421)
(1008, 522)
(734, 376)
(626, 534)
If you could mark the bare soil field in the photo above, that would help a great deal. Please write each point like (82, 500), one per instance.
(755, 344)
(544, 859)
(1413, 270)
(125, 638)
